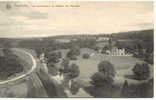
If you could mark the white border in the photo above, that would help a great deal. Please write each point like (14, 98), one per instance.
(84, 0)
(98, 98)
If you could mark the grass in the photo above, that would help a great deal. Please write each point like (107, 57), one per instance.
(122, 64)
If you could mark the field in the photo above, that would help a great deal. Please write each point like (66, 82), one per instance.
(122, 64)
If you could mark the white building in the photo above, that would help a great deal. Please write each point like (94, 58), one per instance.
(118, 52)
(101, 39)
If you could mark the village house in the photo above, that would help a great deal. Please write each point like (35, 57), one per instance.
(117, 52)
(65, 40)
(102, 39)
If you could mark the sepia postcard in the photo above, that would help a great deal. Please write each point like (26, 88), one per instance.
(77, 49)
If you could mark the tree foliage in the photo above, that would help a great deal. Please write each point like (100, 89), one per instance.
(73, 52)
(52, 69)
(65, 65)
(149, 58)
(86, 56)
(104, 49)
(136, 40)
(53, 57)
(107, 68)
(75, 86)
(105, 74)
(141, 71)
(9, 64)
(73, 71)
(100, 79)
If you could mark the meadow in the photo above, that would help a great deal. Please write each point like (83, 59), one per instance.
(122, 64)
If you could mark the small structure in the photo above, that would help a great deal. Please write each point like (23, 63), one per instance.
(58, 78)
(101, 39)
(118, 52)
(65, 40)
(92, 54)
(42, 57)
(108, 52)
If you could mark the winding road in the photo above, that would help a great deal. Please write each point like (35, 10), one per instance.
(22, 76)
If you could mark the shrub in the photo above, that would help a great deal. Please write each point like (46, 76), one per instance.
(105, 75)
(52, 69)
(104, 49)
(65, 65)
(100, 79)
(73, 71)
(149, 58)
(74, 51)
(73, 58)
(107, 68)
(52, 57)
(141, 90)
(75, 86)
(96, 48)
(86, 56)
(141, 71)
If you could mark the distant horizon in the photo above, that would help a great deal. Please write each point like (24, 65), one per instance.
(74, 34)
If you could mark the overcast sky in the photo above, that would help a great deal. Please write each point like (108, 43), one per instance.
(89, 18)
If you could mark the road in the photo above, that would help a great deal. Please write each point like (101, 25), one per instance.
(22, 76)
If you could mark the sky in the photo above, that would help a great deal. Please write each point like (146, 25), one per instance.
(41, 19)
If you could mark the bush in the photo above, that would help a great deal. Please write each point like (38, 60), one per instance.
(141, 71)
(74, 51)
(73, 58)
(100, 79)
(65, 65)
(104, 49)
(75, 86)
(96, 48)
(149, 58)
(52, 57)
(105, 75)
(107, 68)
(52, 69)
(86, 56)
(73, 71)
